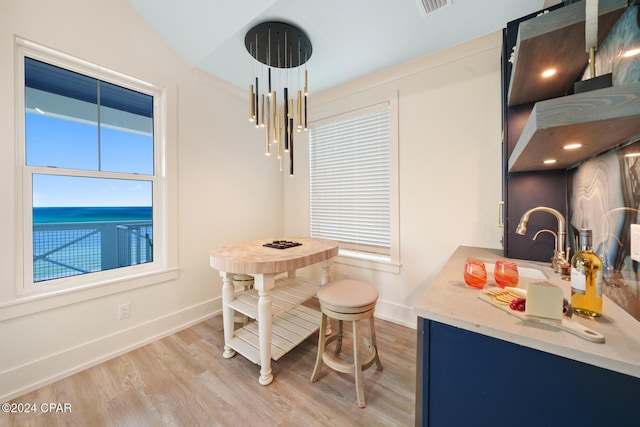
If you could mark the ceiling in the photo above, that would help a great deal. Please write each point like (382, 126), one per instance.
(350, 38)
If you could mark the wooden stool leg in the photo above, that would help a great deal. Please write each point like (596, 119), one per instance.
(357, 365)
(340, 335)
(322, 339)
(374, 344)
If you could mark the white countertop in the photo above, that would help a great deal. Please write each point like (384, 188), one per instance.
(449, 300)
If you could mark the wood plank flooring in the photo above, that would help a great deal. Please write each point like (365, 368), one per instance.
(183, 380)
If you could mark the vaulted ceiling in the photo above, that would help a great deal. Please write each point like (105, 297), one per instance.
(351, 38)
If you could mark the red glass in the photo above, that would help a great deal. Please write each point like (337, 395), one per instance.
(475, 273)
(505, 273)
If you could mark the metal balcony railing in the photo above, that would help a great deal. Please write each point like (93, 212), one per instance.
(72, 248)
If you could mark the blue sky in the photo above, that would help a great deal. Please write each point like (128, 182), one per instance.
(74, 145)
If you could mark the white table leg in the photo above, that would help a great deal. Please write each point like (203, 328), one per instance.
(264, 283)
(325, 266)
(228, 295)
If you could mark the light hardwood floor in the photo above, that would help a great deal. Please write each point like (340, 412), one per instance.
(183, 380)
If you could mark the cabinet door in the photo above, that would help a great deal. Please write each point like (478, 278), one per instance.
(465, 379)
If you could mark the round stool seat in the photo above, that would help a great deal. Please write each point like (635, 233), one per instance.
(348, 293)
(347, 300)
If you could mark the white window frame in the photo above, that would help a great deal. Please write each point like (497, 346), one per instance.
(352, 106)
(123, 277)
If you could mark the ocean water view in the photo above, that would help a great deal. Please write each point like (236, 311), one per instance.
(68, 241)
(48, 215)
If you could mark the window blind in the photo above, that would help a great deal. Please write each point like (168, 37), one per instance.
(350, 182)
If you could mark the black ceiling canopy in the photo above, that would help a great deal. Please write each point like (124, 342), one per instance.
(278, 44)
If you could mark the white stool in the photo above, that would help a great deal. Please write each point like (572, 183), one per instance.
(349, 300)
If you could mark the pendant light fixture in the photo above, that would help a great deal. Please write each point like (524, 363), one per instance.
(280, 50)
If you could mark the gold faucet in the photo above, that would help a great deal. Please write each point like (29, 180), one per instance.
(558, 260)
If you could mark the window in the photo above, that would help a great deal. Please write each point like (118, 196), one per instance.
(353, 182)
(90, 150)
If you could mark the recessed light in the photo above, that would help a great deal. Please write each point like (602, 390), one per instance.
(631, 52)
(572, 146)
(548, 73)
(549, 161)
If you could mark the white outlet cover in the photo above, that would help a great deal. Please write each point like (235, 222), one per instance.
(123, 311)
(635, 242)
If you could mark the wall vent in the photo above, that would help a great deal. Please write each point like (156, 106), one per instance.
(429, 6)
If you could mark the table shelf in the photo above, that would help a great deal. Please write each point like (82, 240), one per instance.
(288, 330)
(292, 322)
(287, 293)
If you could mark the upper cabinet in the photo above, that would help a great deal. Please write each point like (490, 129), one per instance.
(599, 119)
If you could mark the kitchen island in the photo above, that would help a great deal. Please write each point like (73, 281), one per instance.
(479, 365)
(276, 304)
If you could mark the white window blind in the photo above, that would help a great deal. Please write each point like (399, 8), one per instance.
(350, 181)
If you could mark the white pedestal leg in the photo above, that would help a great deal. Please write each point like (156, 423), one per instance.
(228, 295)
(264, 284)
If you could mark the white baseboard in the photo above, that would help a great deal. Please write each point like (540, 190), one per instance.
(23, 379)
(396, 313)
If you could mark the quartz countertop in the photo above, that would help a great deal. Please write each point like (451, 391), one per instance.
(448, 300)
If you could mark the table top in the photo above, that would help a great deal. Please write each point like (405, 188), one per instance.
(448, 300)
(254, 258)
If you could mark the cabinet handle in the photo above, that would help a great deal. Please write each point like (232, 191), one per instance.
(500, 216)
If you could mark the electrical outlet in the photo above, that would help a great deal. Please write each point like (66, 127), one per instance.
(635, 242)
(124, 310)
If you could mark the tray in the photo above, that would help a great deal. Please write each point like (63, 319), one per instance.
(282, 244)
(565, 324)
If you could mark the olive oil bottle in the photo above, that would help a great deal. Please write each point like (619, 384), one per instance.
(586, 278)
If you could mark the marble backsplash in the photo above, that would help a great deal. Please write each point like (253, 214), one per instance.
(604, 192)
(604, 196)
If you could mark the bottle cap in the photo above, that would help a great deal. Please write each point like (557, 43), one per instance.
(586, 237)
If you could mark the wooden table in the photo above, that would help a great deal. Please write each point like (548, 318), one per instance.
(282, 323)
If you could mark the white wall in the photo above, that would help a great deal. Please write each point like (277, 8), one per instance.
(221, 191)
(449, 162)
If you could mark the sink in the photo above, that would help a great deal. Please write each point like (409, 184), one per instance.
(528, 271)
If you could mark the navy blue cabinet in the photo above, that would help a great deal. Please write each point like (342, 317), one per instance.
(522, 191)
(469, 379)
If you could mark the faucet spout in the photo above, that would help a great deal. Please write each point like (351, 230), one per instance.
(558, 255)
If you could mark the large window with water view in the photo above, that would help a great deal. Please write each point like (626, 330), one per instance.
(89, 173)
